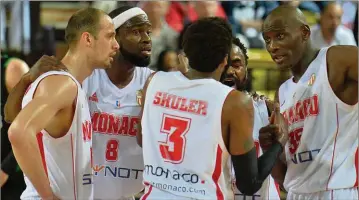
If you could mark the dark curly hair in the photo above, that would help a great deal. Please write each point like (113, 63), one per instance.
(241, 46)
(207, 42)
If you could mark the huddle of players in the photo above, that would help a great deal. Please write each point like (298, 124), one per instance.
(194, 129)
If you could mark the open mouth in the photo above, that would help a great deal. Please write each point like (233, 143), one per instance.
(146, 51)
(278, 59)
(229, 82)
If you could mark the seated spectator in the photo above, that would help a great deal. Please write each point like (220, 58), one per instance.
(181, 13)
(163, 37)
(11, 177)
(329, 31)
(303, 5)
(247, 18)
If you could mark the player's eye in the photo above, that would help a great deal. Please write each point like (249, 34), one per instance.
(280, 36)
(267, 40)
(136, 32)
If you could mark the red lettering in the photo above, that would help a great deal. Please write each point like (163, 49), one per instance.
(175, 103)
(306, 104)
(124, 126)
(157, 98)
(299, 111)
(134, 126)
(202, 108)
(87, 131)
(103, 123)
(314, 107)
(166, 100)
(192, 106)
(183, 106)
(294, 139)
(94, 120)
(114, 123)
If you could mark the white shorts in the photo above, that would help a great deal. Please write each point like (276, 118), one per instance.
(340, 194)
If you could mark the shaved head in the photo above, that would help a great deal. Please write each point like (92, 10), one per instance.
(286, 34)
(288, 15)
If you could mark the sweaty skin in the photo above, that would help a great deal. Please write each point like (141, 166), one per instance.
(287, 37)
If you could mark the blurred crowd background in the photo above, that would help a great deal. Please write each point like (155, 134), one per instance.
(30, 29)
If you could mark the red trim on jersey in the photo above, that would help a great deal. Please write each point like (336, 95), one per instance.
(277, 188)
(73, 167)
(356, 168)
(335, 142)
(145, 196)
(40, 142)
(217, 173)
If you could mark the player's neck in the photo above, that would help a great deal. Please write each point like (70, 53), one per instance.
(78, 65)
(194, 74)
(299, 69)
(121, 73)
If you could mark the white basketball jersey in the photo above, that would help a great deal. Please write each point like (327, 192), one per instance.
(184, 152)
(117, 158)
(322, 149)
(270, 189)
(67, 160)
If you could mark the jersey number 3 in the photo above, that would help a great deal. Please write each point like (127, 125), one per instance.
(173, 148)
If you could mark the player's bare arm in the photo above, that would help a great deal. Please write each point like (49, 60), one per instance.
(342, 62)
(139, 133)
(13, 103)
(52, 95)
(250, 172)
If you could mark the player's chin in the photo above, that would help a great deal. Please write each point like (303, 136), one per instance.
(284, 66)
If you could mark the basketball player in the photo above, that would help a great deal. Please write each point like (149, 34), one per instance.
(319, 103)
(114, 107)
(236, 76)
(51, 136)
(192, 124)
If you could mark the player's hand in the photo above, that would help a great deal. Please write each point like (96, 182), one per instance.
(43, 65)
(275, 131)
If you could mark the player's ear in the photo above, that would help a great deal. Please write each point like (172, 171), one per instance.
(87, 38)
(305, 32)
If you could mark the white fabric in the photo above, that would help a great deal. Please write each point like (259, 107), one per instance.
(67, 159)
(128, 14)
(184, 153)
(115, 117)
(323, 133)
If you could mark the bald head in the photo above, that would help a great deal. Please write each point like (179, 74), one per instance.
(288, 15)
(330, 18)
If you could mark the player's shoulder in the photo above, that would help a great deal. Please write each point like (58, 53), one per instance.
(57, 83)
(144, 71)
(237, 100)
(341, 54)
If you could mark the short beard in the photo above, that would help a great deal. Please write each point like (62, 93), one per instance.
(135, 59)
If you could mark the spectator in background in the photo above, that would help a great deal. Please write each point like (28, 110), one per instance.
(181, 13)
(163, 36)
(11, 177)
(247, 18)
(167, 61)
(329, 31)
(303, 5)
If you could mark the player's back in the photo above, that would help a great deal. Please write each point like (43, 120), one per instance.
(66, 160)
(184, 152)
